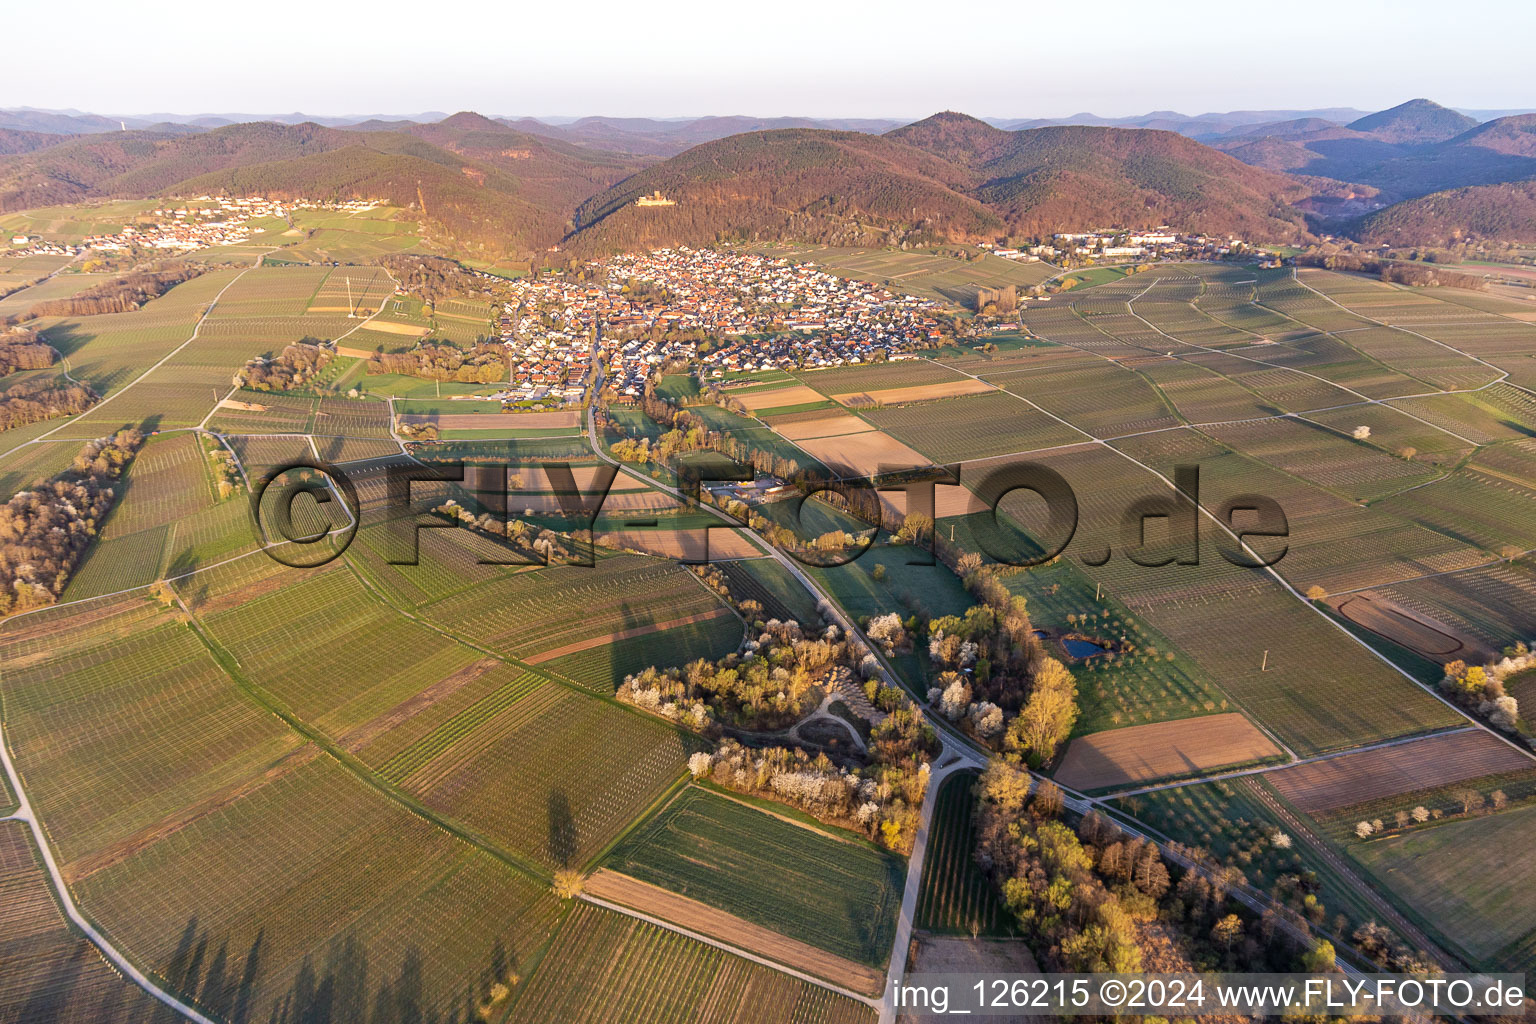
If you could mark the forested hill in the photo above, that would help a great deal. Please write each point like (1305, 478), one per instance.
(814, 185)
(1502, 211)
(1411, 150)
(143, 163)
(1417, 120)
(949, 177)
(1074, 177)
(480, 187)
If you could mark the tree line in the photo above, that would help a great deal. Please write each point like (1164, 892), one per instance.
(484, 363)
(293, 367)
(1095, 899)
(121, 294)
(22, 349)
(44, 532)
(1415, 275)
(33, 400)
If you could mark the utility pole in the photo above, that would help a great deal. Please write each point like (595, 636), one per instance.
(1264, 666)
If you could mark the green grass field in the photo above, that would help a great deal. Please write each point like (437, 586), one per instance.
(1469, 881)
(836, 894)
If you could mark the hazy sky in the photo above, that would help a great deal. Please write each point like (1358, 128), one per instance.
(821, 58)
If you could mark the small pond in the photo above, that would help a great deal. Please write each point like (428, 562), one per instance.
(1078, 647)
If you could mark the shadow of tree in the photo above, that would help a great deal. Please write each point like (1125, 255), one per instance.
(343, 986)
(563, 840)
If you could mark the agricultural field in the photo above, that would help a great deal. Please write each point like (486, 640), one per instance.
(227, 790)
(24, 464)
(768, 583)
(602, 664)
(25, 296)
(1235, 824)
(1369, 775)
(838, 894)
(52, 972)
(1469, 881)
(547, 772)
(366, 777)
(1226, 617)
(1072, 386)
(530, 614)
(956, 898)
(1142, 753)
(1157, 681)
(976, 427)
(877, 377)
(605, 966)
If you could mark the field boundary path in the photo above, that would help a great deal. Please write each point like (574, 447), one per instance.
(908, 915)
(1267, 768)
(725, 947)
(196, 329)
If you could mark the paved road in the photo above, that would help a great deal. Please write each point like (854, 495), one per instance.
(952, 745)
(906, 918)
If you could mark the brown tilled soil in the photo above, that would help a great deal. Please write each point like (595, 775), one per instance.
(794, 394)
(1386, 771)
(723, 543)
(1398, 624)
(1141, 753)
(942, 954)
(822, 424)
(866, 453)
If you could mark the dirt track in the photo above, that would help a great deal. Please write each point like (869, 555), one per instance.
(717, 924)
